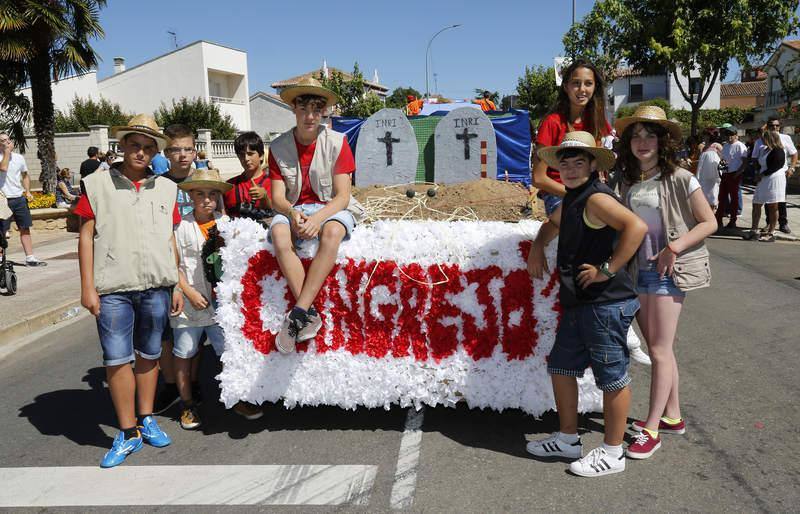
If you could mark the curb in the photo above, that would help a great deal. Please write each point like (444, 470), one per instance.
(36, 322)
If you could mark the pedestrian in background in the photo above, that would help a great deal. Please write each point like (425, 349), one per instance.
(91, 164)
(771, 187)
(672, 259)
(66, 195)
(708, 173)
(15, 183)
(734, 153)
(108, 159)
(774, 124)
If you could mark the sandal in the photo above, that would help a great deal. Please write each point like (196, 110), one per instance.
(767, 238)
(750, 236)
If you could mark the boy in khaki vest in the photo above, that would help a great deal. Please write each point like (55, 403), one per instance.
(310, 170)
(128, 266)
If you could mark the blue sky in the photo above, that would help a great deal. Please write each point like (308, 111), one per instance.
(282, 39)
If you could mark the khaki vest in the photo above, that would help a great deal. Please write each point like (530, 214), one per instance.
(190, 243)
(692, 269)
(329, 145)
(133, 241)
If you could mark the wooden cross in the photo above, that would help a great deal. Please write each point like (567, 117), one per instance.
(388, 140)
(466, 136)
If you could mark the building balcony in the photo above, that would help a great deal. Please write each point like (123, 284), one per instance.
(223, 100)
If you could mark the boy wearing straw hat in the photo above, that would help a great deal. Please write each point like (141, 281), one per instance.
(128, 266)
(196, 229)
(310, 169)
(598, 236)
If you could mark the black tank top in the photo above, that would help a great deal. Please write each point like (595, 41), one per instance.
(579, 244)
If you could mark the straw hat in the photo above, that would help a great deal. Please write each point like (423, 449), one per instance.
(142, 124)
(309, 86)
(580, 140)
(205, 178)
(650, 114)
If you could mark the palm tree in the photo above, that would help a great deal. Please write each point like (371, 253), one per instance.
(41, 41)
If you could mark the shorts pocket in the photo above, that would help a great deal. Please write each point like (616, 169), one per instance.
(606, 354)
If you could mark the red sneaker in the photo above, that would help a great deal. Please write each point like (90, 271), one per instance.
(663, 427)
(644, 446)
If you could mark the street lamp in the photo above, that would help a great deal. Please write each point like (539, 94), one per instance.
(427, 52)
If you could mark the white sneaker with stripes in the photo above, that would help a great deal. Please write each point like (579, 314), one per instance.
(554, 448)
(597, 463)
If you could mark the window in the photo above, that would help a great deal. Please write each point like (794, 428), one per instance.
(636, 93)
(694, 86)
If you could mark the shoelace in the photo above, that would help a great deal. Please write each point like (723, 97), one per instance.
(294, 327)
(642, 437)
(595, 456)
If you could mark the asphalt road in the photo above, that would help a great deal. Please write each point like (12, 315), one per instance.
(738, 353)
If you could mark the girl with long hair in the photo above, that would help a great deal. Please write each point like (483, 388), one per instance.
(581, 106)
(672, 259)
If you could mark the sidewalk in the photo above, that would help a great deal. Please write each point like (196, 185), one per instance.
(44, 294)
(744, 221)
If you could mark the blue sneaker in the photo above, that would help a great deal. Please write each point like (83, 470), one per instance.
(152, 433)
(120, 450)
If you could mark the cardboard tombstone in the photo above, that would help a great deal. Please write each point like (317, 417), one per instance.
(465, 147)
(387, 150)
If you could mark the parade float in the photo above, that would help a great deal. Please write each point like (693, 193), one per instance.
(429, 302)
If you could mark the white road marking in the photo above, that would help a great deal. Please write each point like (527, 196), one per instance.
(405, 477)
(186, 485)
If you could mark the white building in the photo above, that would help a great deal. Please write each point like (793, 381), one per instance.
(269, 115)
(201, 69)
(632, 87)
(784, 61)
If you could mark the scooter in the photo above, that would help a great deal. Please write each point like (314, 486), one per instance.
(8, 277)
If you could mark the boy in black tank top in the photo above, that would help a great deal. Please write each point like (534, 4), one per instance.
(598, 236)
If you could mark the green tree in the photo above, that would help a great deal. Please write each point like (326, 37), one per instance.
(537, 91)
(593, 39)
(197, 113)
(41, 41)
(15, 107)
(84, 112)
(354, 100)
(690, 36)
(398, 98)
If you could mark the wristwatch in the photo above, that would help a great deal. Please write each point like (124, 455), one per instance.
(605, 271)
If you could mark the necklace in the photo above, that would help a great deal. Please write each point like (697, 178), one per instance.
(645, 172)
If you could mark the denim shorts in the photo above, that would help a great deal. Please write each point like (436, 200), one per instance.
(650, 282)
(188, 340)
(595, 335)
(20, 213)
(551, 202)
(132, 321)
(344, 217)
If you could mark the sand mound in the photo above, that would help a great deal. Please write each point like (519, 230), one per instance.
(483, 199)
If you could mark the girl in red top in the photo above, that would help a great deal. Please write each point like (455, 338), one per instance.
(581, 105)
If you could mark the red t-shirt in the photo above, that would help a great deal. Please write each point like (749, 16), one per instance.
(344, 164)
(240, 192)
(84, 209)
(552, 130)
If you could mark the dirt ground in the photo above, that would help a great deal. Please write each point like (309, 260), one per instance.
(483, 199)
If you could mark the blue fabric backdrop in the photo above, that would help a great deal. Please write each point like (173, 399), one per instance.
(512, 131)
